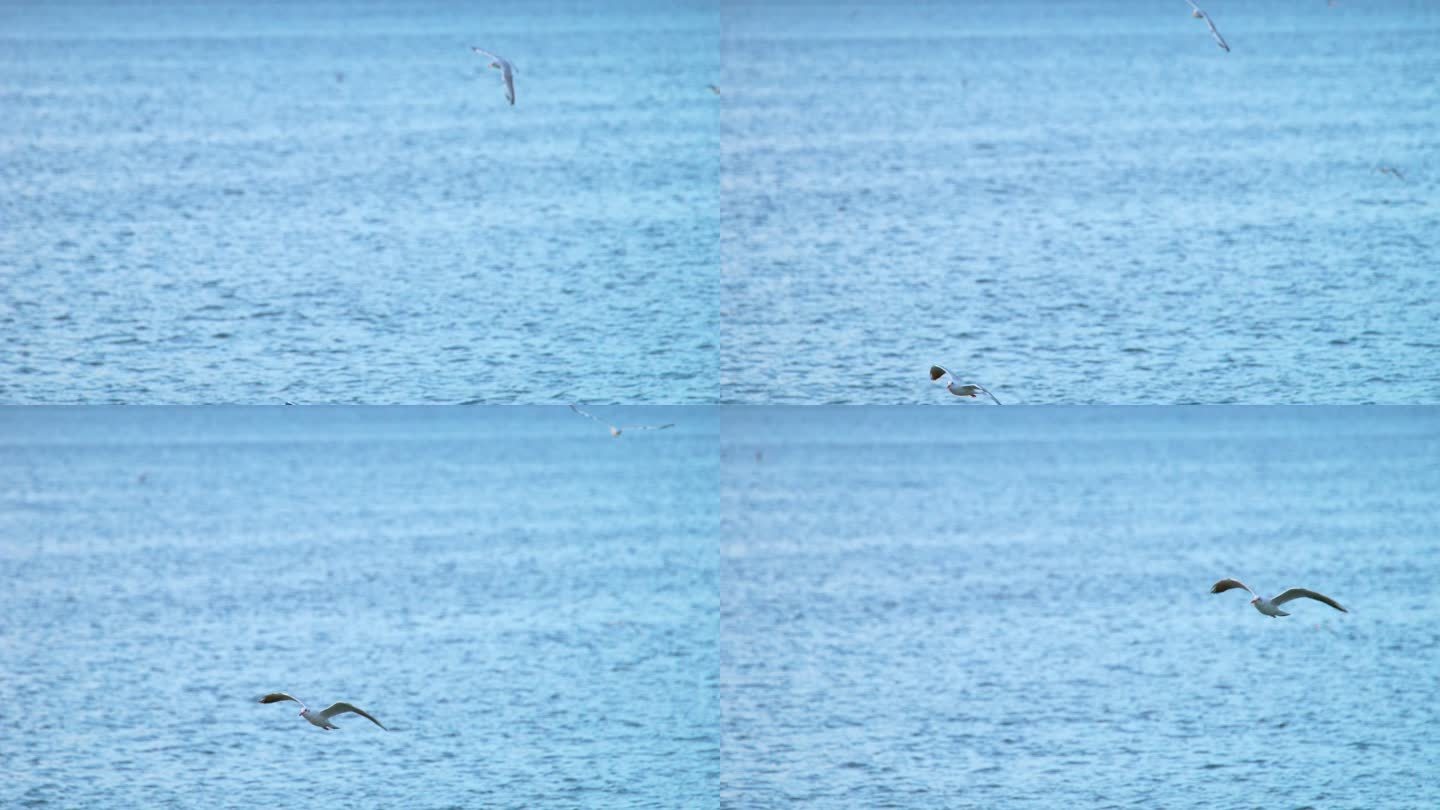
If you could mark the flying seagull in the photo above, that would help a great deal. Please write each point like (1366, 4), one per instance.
(956, 387)
(1271, 607)
(616, 430)
(507, 72)
(1391, 170)
(1201, 15)
(321, 719)
(714, 88)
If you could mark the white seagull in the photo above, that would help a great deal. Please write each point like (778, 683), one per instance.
(956, 387)
(616, 430)
(1271, 607)
(321, 719)
(507, 72)
(1201, 15)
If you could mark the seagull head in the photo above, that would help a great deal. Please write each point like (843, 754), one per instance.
(1198, 14)
(304, 712)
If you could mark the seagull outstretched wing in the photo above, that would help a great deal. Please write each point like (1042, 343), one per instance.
(979, 387)
(1303, 593)
(647, 427)
(276, 697)
(590, 416)
(342, 708)
(1227, 584)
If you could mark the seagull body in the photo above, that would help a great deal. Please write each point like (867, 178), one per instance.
(507, 72)
(958, 388)
(616, 430)
(1198, 14)
(1271, 607)
(320, 719)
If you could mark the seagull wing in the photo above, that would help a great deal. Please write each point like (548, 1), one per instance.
(276, 697)
(341, 708)
(647, 427)
(936, 372)
(1297, 593)
(589, 416)
(1219, 40)
(979, 387)
(1192, 5)
(1226, 584)
(487, 53)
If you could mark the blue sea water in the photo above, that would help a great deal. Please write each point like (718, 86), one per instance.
(1010, 607)
(333, 202)
(529, 605)
(1080, 202)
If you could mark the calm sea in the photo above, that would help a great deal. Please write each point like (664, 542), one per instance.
(530, 606)
(1080, 202)
(1010, 607)
(333, 202)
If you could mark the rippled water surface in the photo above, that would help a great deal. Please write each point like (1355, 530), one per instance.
(528, 604)
(333, 202)
(1083, 203)
(1009, 607)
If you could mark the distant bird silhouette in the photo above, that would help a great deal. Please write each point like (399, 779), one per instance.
(616, 430)
(507, 72)
(713, 89)
(1271, 607)
(1392, 171)
(321, 719)
(1201, 15)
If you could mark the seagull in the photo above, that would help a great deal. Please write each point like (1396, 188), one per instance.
(1271, 607)
(507, 72)
(714, 88)
(1391, 170)
(321, 719)
(1201, 15)
(956, 388)
(616, 430)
